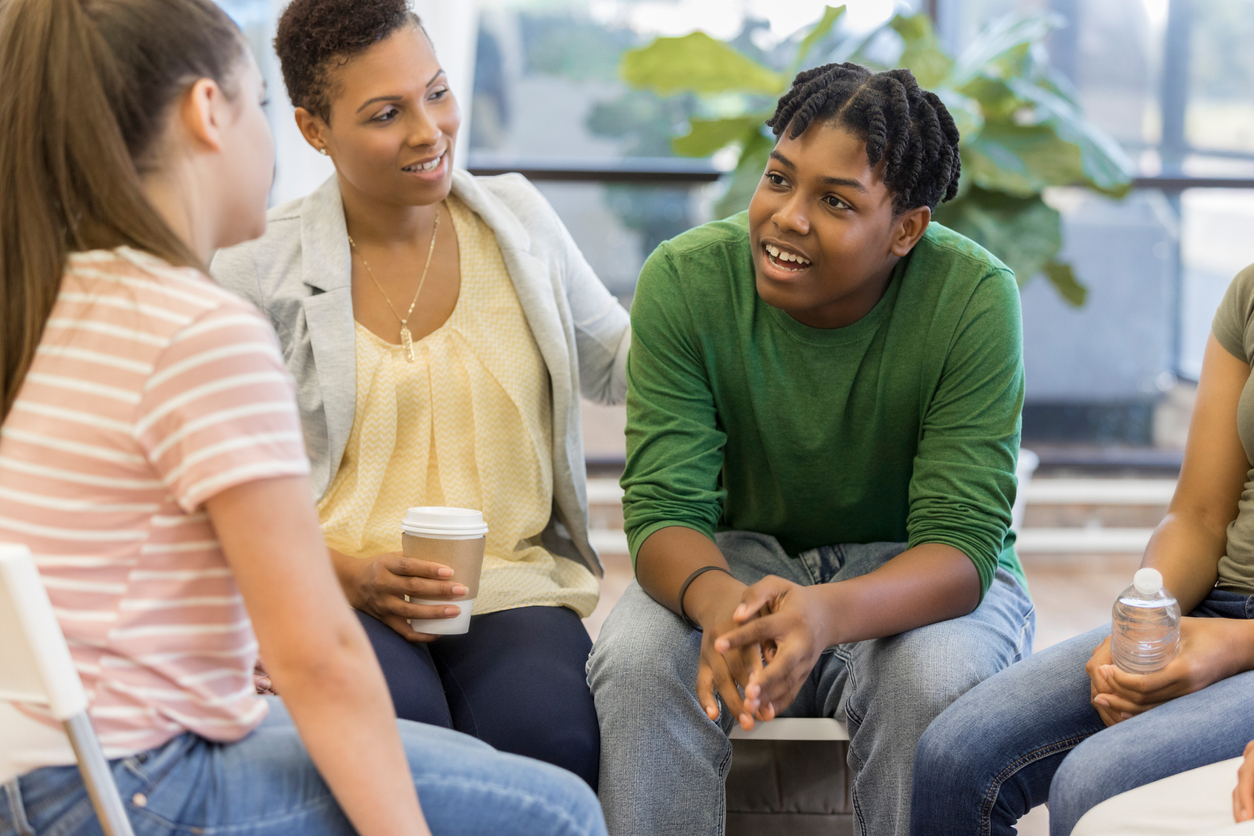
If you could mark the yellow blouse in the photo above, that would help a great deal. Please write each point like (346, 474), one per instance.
(467, 424)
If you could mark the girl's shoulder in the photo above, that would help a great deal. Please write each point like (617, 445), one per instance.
(130, 282)
(1233, 325)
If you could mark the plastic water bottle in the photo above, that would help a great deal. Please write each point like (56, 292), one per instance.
(1145, 625)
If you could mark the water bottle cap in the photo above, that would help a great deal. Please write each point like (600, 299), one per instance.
(1147, 581)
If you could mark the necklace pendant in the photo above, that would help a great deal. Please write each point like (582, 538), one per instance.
(407, 340)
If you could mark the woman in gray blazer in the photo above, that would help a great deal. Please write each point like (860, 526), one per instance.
(440, 328)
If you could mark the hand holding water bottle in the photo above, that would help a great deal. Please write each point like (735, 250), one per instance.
(1144, 625)
(1211, 649)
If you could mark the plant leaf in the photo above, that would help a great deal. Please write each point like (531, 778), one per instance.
(968, 117)
(1062, 277)
(820, 31)
(705, 136)
(1104, 164)
(997, 101)
(1021, 160)
(922, 55)
(697, 63)
(1023, 232)
(998, 38)
(743, 182)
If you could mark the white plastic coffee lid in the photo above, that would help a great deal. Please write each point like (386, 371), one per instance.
(447, 522)
(1147, 581)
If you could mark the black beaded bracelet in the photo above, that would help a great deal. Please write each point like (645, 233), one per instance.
(684, 589)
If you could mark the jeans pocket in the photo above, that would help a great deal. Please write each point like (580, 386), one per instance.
(148, 769)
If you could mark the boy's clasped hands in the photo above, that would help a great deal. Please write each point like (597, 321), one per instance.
(759, 646)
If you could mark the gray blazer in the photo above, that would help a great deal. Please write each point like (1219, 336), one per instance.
(298, 273)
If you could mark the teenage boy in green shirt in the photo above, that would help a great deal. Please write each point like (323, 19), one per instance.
(824, 399)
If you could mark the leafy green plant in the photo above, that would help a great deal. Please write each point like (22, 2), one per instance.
(1022, 130)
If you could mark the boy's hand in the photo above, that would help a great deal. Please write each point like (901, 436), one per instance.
(790, 622)
(723, 672)
(1211, 649)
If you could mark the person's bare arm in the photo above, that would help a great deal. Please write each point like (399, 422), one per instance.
(1190, 540)
(316, 652)
(663, 562)
(923, 585)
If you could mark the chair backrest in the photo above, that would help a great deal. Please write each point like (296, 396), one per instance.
(35, 667)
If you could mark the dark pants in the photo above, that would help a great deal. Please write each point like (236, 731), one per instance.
(515, 681)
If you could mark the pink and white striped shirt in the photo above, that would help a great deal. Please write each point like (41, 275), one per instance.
(152, 390)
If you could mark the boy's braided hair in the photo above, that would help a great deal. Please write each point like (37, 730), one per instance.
(902, 124)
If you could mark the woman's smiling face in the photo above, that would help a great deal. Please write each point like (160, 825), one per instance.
(394, 121)
(824, 234)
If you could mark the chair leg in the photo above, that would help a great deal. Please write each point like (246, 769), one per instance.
(97, 777)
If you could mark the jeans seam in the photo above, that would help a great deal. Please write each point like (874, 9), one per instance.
(838, 559)
(1023, 632)
(723, 768)
(990, 797)
(807, 564)
(13, 791)
(201, 830)
(853, 721)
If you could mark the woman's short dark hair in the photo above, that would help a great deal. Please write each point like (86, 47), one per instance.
(904, 125)
(317, 36)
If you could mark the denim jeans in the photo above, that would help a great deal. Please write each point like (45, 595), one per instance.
(1029, 735)
(266, 785)
(664, 762)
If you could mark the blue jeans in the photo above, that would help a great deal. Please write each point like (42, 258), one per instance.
(266, 785)
(515, 681)
(1029, 735)
(664, 762)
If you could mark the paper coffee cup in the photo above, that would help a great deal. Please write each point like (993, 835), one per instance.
(453, 537)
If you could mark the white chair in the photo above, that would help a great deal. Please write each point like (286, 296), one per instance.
(794, 728)
(36, 668)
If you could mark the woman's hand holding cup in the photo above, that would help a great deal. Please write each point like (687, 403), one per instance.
(383, 582)
(446, 538)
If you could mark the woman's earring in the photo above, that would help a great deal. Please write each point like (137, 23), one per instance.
(322, 151)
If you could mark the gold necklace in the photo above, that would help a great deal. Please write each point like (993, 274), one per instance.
(407, 339)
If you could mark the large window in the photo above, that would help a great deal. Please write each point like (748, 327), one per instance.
(1170, 80)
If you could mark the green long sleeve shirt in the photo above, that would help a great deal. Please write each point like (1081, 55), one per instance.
(901, 427)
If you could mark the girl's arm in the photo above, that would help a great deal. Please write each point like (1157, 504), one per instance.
(1186, 548)
(316, 652)
(1188, 543)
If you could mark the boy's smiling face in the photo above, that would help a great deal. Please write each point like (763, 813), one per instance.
(824, 232)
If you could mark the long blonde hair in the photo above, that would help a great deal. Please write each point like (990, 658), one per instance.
(87, 90)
